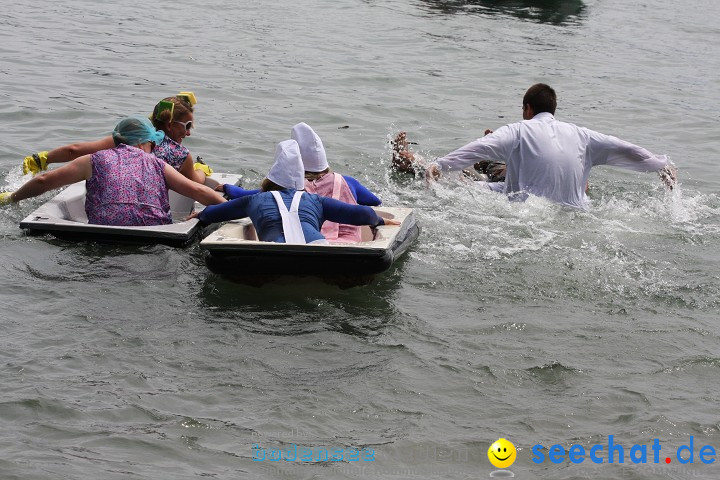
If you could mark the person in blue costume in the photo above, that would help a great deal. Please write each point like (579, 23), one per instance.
(362, 195)
(318, 177)
(282, 212)
(316, 165)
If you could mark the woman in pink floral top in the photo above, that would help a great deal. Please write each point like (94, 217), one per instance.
(126, 185)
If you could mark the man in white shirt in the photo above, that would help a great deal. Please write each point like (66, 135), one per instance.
(549, 158)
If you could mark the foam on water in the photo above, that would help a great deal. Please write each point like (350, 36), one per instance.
(635, 249)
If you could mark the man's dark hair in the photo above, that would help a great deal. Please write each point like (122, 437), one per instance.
(541, 98)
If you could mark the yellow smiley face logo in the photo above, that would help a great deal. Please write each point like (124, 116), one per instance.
(502, 453)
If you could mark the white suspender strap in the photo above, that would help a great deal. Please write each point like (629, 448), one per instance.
(290, 219)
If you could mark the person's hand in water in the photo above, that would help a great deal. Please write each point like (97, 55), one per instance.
(432, 172)
(668, 175)
(403, 159)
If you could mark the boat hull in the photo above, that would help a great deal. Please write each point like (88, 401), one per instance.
(233, 250)
(64, 217)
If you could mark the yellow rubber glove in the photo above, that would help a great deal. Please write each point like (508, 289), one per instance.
(5, 198)
(35, 163)
(205, 168)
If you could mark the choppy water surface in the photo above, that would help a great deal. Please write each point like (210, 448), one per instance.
(525, 321)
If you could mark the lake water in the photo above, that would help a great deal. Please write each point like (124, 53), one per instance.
(527, 321)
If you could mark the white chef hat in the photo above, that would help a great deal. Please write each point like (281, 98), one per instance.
(311, 147)
(288, 170)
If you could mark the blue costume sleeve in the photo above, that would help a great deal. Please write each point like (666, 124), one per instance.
(231, 210)
(362, 195)
(236, 192)
(341, 212)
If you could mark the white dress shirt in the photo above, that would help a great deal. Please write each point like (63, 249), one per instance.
(549, 158)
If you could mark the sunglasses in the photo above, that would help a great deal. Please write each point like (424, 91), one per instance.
(188, 125)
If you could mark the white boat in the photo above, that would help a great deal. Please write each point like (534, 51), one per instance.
(64, 216)
(234, 250)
